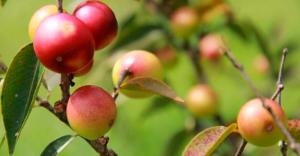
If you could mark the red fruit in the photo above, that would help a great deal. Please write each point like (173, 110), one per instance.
(210, 47)
(91, 111)
(257, 126)
(100, 20)
(84, 70)
(63, 43)
(202, 101)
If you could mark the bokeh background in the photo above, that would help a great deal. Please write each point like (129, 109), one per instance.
(138, 131)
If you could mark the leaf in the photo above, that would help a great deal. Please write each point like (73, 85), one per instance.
(58, 145)
(20, 87)
(205, 142)
(294, 128)
(51, 80)
(153, 86)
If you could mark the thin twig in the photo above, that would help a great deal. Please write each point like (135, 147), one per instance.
(283, 145)
(241, 148)
(293, 144)
(3, 67)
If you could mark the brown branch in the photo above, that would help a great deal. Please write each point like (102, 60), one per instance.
(293, 144)
(241, 148)
(277, 92)
(3, 67)
(100, 145)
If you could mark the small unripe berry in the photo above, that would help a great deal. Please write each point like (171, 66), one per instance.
(210, 47)
(138, 63)
(184, 21)
(100, 20)
(39, 16)
(63, 43)
(261, 64)
(257, 126)
(202, 101)
(91, 111)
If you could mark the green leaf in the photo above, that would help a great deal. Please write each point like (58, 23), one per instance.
(20, 87)
(208, 140)
(153, 86)
(58, 145)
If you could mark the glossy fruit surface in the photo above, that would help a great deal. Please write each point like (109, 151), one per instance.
(257, 126)
(210, 47)
(91, 111)
(39, 16)
(139, 63)
(202, 101)
(63, 43)
(100, 20)
(84, 70)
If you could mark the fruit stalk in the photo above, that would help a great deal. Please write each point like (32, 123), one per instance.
(60, 5)
(292, 142)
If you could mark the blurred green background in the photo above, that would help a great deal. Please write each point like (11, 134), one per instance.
(136, 133)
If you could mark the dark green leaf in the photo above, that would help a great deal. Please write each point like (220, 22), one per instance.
(19, 91)
(206, 142)
(57, 145)
(153, 86)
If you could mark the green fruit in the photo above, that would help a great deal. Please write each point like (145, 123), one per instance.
(257, 126)
(202, 101)
(138, 63)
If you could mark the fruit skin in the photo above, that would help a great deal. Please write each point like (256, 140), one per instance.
(257, 126)
(202, 101)
(210, 47)
(100, 20)
(167, 56)
(91, 111)
(63, 43)
(39, 16)
(84, 70)
(139, 63)
(261, 64)
(184, 21)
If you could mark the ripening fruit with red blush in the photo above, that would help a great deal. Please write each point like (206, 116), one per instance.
(139, 63)
(257, 126)
(184, 21)
(202, 101)
(84, 70)
(39, 16)
(91, 111)
(63, 43)
(100, 20)
(211, 47)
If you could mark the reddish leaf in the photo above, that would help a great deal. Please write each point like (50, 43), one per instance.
(208, 140)
(153, 86)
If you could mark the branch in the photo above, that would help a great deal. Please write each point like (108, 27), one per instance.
(293, 144)
(3, 67)
(241, 148)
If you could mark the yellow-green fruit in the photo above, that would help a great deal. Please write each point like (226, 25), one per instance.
(202, 101)
(138, 63)
(184, 21)
(257, 126)
(91, 111)
(39, 16)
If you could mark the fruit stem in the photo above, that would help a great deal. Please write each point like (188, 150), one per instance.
(60, 6)
(116, 91)
(241, 148)
(293, 144)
